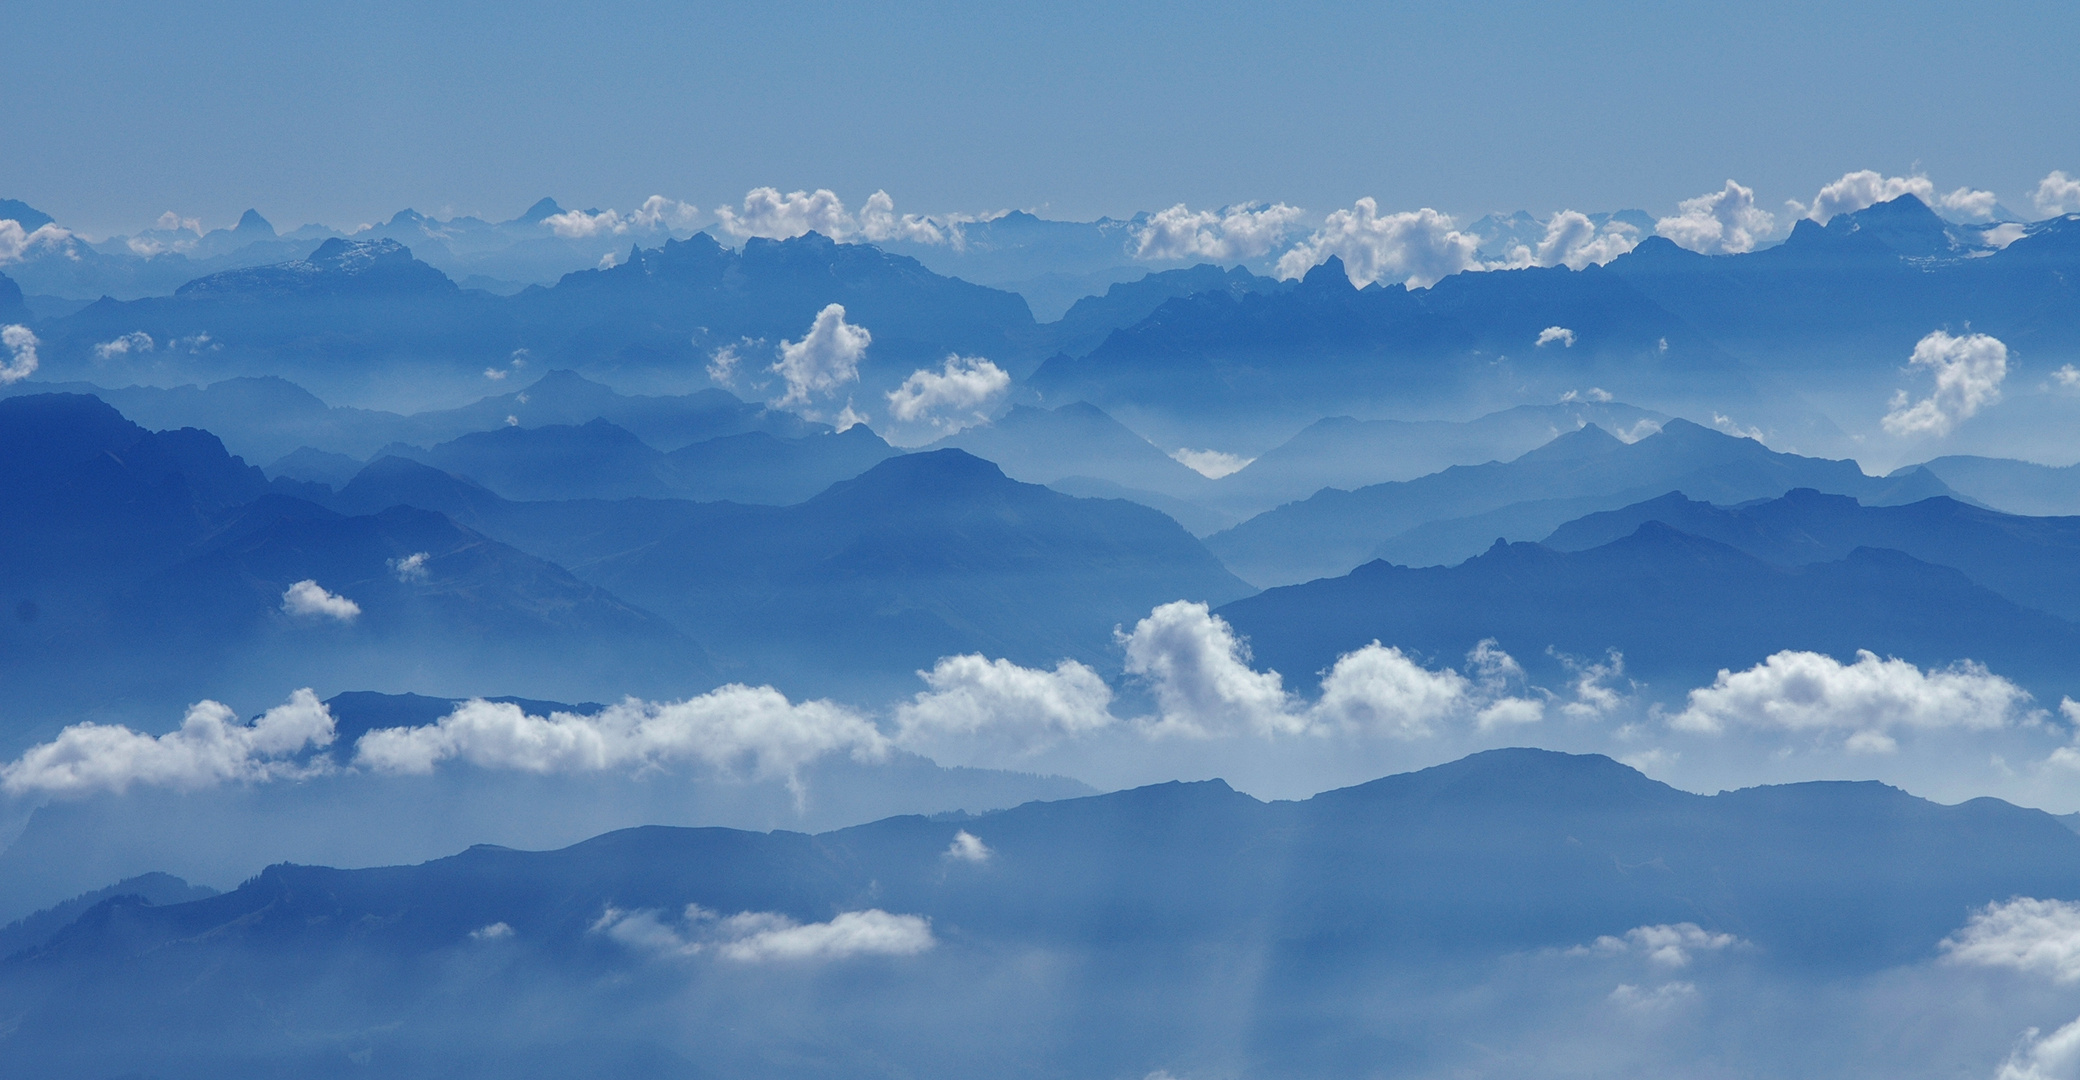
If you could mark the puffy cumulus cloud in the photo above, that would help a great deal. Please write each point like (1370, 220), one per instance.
(1968, 371)
(1812, 692)
(411, 567)
(1555, 335)
(878, 222)
(1204, 686)
(135, 341)
(1201, 673)
(769, 214)
(1416, 248)
(1670, 945)
(211, 747)
(1723, 222)
(967, 847)
(764, 936)
(2038, 937)
(1969, 204)
(21, 361)
(1574, 241)
(2056, 194)
(1236, 232)
(958, 395)
(1865, 188)
(2045, 1057)
(826, 357)
(1378, 690)
(1211, 464)
(17, 243)
(656, 213)
(975, 699)
(308, 598)
(735, 728)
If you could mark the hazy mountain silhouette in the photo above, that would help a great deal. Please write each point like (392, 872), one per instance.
(1425, 878)
(1678, 607)
(2033, 561)
(924, 555)
(1463, 508)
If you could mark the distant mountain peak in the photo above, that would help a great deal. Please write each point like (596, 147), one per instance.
(252, 222)
(544, 208)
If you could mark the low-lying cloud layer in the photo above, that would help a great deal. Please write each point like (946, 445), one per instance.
(210, 748)
(748, 730)
(756, 937)
(1871, 699)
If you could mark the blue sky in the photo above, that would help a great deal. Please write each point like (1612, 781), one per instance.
(115, 112)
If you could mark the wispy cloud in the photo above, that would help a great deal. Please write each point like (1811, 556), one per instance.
(655, 214)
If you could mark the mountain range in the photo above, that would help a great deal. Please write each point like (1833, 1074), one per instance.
(1184, 925)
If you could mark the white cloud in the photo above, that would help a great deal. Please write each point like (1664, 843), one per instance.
(16, 242)
(1670, 945)
(1574, 241)
(21, 361)
(1378, 690)
(496, 374)
(1812, 692)
(1724, 222)
(1416, 248)
(769, 214)
(134, 341)
(1203, 682)
(975, 699)
(1865, 188)
(734, 728)
(957, 396)
(1665, 996)
(411, 567)
(657, 212)
(1551, 334)
(2056, 194)
(967, 847)
(764, 936)
(1969, 204)
(1204, 686)
(827, 357)
(878, 222)
(2050, 1057)
(722, 366)
(497, 931)
(1234, 233)
(307, 597)
(1968, 370)
(2067, 376)
(210, 748)
(1211, 464)
(172, 222)
(2038, 937)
